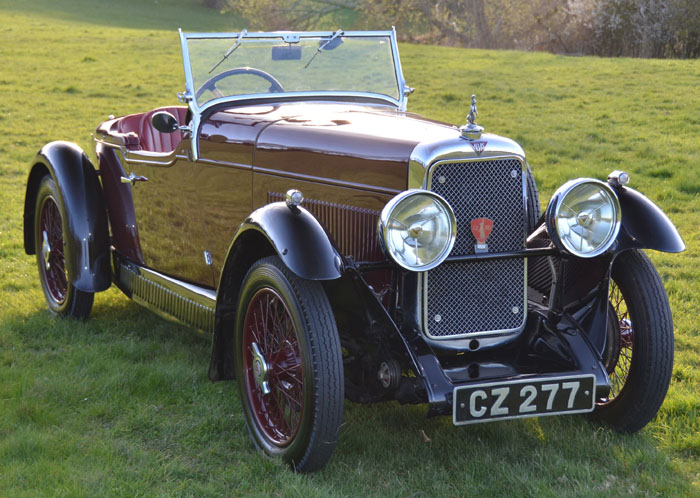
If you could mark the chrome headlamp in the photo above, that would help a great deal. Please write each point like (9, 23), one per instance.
(583, 217)
(417, 229)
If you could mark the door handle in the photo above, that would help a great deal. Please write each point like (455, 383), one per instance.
(132, 178)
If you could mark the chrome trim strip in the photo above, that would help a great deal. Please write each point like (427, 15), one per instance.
(140, 156)
(325, 181)
(282, 34)
(108, 140)
(304, 96)
(225, 164)
(202, 295)
(404, 91)
(188, 96)
(169, 298)
(423, 287)
(425, 154)
(152, 158)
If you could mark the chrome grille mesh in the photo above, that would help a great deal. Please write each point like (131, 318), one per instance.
(490, 297)
(484, 189)
(481, 296)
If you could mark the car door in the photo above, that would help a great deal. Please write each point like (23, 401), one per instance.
(225, 177)
(170, 226)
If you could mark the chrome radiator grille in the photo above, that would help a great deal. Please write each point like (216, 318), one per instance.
(481, 297)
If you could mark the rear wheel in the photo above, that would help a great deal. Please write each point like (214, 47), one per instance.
(289, 365)
(639, 352)
(50, 218)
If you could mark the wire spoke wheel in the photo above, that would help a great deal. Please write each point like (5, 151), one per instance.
(289, 365)
(54, 268)
(625, 344)
(53, 254)
(638, 353)
(272, 366)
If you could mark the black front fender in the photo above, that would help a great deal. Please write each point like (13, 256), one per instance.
(645, 225)
(85, 228)
(298, 239)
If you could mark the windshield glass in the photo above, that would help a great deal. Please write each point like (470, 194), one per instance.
(274, 63)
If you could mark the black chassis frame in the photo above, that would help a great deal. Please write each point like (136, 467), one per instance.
(565, 331)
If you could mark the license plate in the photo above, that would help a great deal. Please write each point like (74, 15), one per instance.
(523, 398)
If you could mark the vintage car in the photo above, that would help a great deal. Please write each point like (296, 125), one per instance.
(336, 246)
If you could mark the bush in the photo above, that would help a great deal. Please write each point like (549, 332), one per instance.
(642, 28)
(635, 28)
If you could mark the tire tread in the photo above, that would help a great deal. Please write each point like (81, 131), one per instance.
(324, 347)
(78, 304)
(652, 364)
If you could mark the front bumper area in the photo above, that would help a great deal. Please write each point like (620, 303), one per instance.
(551, 346)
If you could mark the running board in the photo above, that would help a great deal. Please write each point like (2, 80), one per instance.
(169, 298)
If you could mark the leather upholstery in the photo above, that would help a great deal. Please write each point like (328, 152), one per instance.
(150, 139)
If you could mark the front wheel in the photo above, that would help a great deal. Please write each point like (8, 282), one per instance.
(639, 351)
(289, 365)
(50, 218)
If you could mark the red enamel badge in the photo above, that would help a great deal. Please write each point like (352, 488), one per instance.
(481, 228)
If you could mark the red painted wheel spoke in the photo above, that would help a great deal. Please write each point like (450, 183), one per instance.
(292, 398)
(284, 353)
(262, 324)
(619, 376)
(51, 231)
(292, 377)
(253, 330)
(268, 323)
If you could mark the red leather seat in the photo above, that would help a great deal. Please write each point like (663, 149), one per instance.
(154, 141)
(150, 139)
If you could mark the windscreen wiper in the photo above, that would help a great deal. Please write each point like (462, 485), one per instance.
(321, 47)
(230, 50)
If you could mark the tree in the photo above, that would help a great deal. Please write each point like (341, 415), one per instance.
(638, 28)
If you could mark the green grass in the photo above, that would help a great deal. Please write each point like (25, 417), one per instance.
(120, 405)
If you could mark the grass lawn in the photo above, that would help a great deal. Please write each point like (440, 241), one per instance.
(121, 405)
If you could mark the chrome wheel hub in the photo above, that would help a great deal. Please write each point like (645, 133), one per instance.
(46, 250)
(260, 369)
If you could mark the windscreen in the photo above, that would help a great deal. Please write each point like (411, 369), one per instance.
(224, 67)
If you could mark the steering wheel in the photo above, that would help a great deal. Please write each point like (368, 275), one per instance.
(210, 84)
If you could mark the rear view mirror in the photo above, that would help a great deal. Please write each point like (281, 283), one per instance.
(286, 53)
(164, 122)
(330, 45)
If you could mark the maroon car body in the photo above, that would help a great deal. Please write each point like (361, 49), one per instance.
(335, 245)
(348, 160)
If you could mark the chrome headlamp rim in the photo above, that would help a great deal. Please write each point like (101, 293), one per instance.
(554, 208)
(386, 214)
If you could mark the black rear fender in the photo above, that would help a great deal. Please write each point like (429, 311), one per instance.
(80, 194)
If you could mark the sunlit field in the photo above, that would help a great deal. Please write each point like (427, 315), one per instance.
(121, 405)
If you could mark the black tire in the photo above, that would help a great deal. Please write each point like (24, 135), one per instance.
(50, 221)
(286, 343)
(533, 202)
(640, 359)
